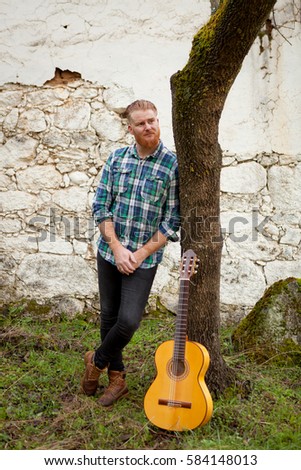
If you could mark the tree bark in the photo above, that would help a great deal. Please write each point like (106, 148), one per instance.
(199, 92)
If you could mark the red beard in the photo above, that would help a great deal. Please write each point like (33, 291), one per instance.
(149, 140)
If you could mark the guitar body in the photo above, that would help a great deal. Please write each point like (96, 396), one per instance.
(179, 399)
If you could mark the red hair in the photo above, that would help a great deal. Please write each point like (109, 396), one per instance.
(139, 105)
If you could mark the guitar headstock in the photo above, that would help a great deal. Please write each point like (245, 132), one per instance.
(189, 264)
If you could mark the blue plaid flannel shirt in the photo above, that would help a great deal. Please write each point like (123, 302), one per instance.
(140, 196)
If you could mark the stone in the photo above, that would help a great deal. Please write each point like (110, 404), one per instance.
(80, 248)
(287, 160)
(71, 159)
(55, 138)
(289, 180)
(9, 225)
(241, 226)
(227, 161)
(292, 236)
(241, 279)
(78, 177)
(11, 120)
(38, 178)
(56, 246)
(279, 269)
(47, 98)
(85, 93)
(66, 180)
(6, 183)
(72, 199)
(93, 171)
(32, 120)
(10, 98)
(67, 306)
(74, 115)
(19, 244)
(50, 276)
(84, 140)
(287, 253)
(161, 289)
(107, 125)
(272, 329)
(166, 283)
(18, 152)
(73, 155)
(118, 98)
(13, 201)
(268, 160)
(258, 248)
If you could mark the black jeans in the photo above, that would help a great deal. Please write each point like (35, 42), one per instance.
(122, 302)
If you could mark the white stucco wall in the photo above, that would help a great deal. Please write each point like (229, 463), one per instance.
(135, 43)
(140, 44)
(263, 108)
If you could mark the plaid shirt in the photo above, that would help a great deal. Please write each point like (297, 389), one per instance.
(141, 197)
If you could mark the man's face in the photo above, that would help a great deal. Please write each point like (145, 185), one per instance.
(144, 126)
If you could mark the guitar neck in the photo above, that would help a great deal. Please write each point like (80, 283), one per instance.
(181, 322)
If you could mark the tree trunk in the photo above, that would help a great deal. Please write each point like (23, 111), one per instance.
(199, 92)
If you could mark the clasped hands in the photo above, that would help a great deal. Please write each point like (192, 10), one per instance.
(126, 261)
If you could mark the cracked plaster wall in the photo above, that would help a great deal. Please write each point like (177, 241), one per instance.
(56, 137)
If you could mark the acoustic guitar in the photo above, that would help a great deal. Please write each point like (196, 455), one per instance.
(178, 399)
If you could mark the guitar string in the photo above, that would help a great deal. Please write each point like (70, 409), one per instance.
(180, 338)
(181, 318)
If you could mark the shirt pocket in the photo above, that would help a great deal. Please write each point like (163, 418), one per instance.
(121, 180)
(152, 189)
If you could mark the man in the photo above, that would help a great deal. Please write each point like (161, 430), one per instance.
(136, 207)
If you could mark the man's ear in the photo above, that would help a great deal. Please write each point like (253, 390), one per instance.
(130, 129)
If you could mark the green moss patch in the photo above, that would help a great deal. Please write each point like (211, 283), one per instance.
(272, 330)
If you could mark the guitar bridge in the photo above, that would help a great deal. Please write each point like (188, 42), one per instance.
(174, 403)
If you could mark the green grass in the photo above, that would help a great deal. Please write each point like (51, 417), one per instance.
(42, 363)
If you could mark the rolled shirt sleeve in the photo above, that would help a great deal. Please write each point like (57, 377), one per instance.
(170, 223)
(101, 205)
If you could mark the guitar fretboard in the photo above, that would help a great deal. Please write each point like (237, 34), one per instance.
(181, 323)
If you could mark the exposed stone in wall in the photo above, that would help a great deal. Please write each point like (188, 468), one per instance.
(261, 224)
(54, 142)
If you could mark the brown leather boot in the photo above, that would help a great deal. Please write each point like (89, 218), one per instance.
(89, 381)
(117, 388)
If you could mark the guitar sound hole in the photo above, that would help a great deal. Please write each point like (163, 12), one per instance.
(178, 369)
